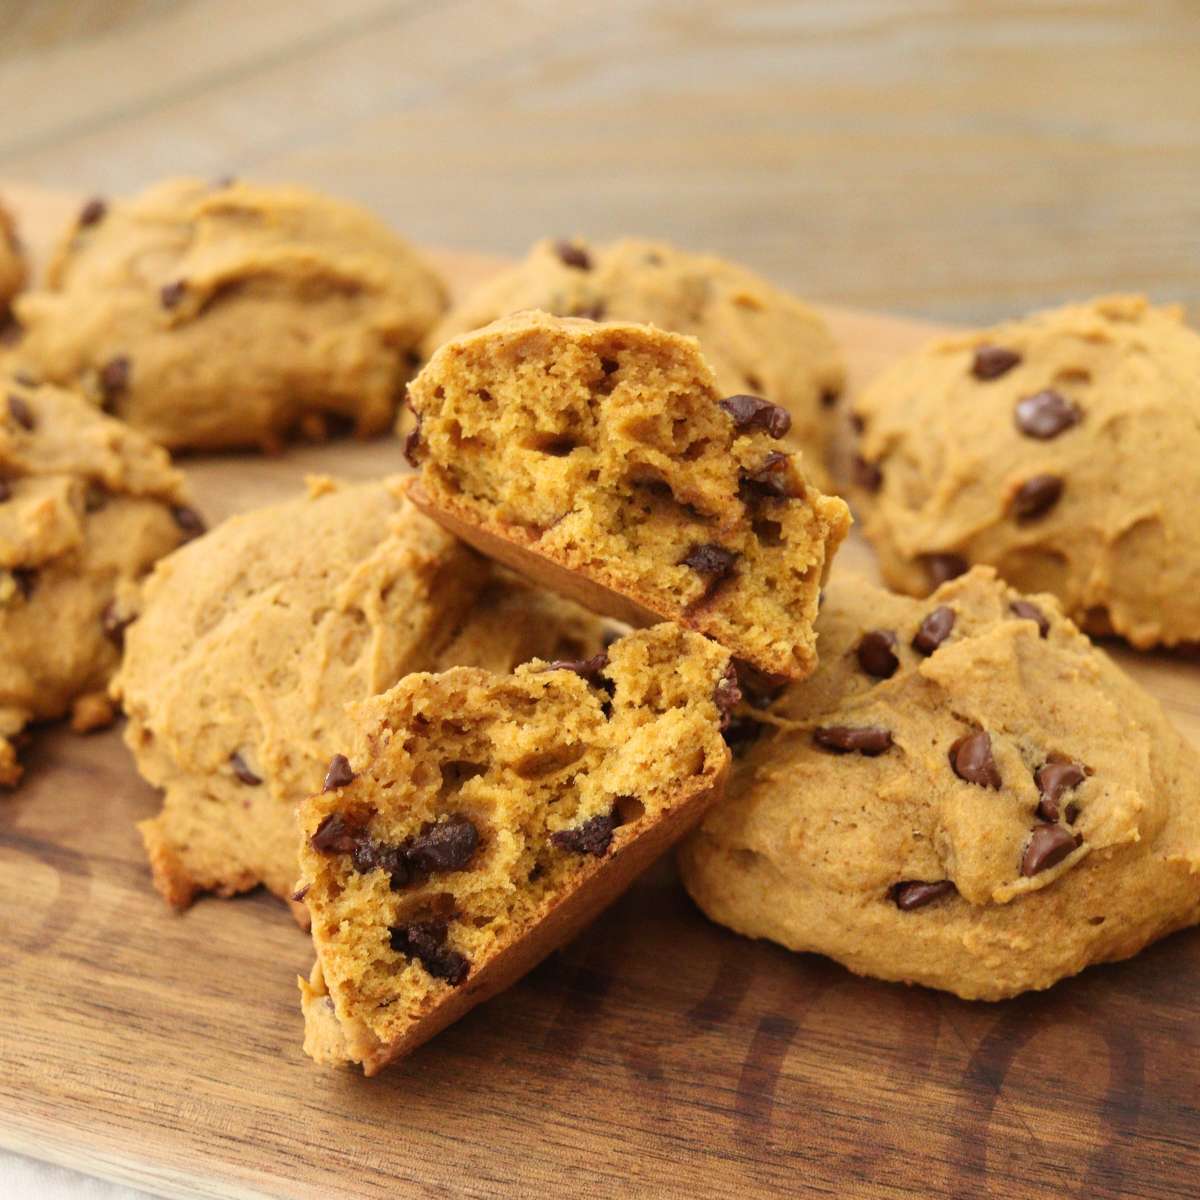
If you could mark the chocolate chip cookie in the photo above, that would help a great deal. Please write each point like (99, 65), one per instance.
(87, 505)
(967, 795)
(214, 316)
(1061, 449)
(600, 459)
(483, 819)
(253, 641)
(757, 338)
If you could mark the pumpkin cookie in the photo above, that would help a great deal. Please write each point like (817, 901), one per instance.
(484, 819)
(967, 795)
(86, 507)
(600, 459)
(756, 337)
(253, 641)
(214, 316)
(1060, 449)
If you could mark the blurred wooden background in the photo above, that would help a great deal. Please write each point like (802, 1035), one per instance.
(957, 159)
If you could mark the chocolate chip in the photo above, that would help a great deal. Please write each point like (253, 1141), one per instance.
(1030, 612)
(943, 567)
(771, 480)
(589, 669)
(369, 855)
(424, 941)
(972, 760)
(857, 739)
(92, 212)
(339, 774)
(412, 444)
(335, 835)
(1036, 497)
(711, 560)
(593, 837)
(934, 629)
(877, 653)
(5, 490)
(113, 624)
(758, 688)
(1054, 777)
(916, 894)
(190, 522)
(991, 362)
(445, 846)
(242, 771)
(727, 695)
(1048, 845)
(1045, 415)
(26, 580)
(114, 378)
(573, 256)
(170, 294)
(753, 412)
(300, 893)
(867, 475)
(830, 397)
(20, 412)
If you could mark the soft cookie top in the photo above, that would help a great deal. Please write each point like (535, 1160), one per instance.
(600, 458)
(1061, 449)
(231, 314)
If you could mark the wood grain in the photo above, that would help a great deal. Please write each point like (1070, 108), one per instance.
(656, 1055)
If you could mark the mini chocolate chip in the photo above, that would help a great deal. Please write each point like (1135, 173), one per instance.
(5, 490)
(573, 256)
(114, 625)
(943, 567)
(753, 412)
(857, 739)
(425, 942)
(867, 475)
(593, 837)
(916, 894)
(991, 362)
(92, 212)
(934, 629)
(830, 397)
(114, 377)
(727, 695)
(710, 559)
(339, 774)
(972, 760)
(589, 669)
(877, 653)
(1045, 415)
(1030, 612)
(20, 412)
(26, 580)
(242, 771)
(446, 846)
(412, 445)
(190, 522)
(1054, 777)
(1036, 497)
(335, 835)
(1048, 845)
(170, 294)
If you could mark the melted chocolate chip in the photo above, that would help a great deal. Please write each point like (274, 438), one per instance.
(170, 294)
(1045, 415)
(446, 846)
(869, 740)
(943, 567)
(727, 696)
(114, 378)
(593, 837)
(991, 362)
(20, 412)
(335, 835)
(916, 894)
(242, 771)
(339, 774)
(190, 522)
(934, 629)
(867, 475)
(1030, 612)
(770, 481)
(92, 212)
(972, 760)
(711, 560)
(1048, 845)
(1036, 497)
(753, 412)
(425, 941)
(877, 653)
(1056, 776)
(113, 624)
(573, 256)
(589, 669)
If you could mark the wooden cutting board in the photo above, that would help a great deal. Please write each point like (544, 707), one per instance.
(658, 1055)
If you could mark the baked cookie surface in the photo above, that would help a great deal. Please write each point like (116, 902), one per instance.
(967, 795)
(1061, 449)
(252, 642)
(232, 315)
(87, 505)
(756, 337)
(600, 459)
(482, 819)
